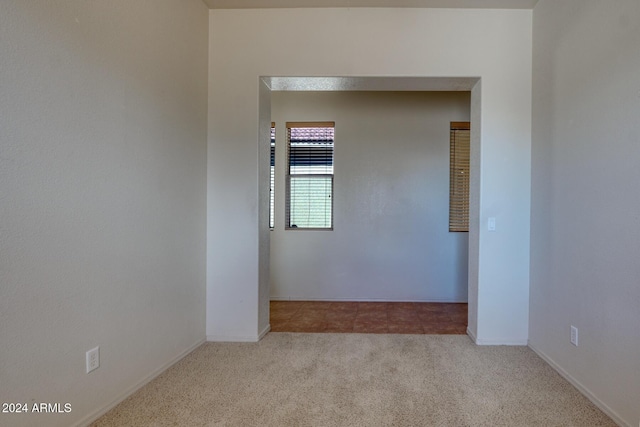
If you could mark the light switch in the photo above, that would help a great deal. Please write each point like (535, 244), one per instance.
(491, 224)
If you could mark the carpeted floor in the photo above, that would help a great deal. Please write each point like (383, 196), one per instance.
(291, 379)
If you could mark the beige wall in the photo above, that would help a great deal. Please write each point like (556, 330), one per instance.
(391, 238)
(102, 197)
(493, 46)
(585, 229)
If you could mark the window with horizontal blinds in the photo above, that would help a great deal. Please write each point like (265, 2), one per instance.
(459, 157)
(310, 148)
(272, 180)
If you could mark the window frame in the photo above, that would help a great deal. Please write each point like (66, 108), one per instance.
(289, 175)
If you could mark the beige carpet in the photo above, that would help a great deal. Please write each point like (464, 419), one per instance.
(291, 379)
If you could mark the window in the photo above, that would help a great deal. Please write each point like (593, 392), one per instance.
(459, 176)
(310, 175)
(272, 179)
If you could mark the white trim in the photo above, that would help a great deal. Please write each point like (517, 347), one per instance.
(93, 416)
(233, 338)
(472, 336)
(581, 388)
(239, 338)
(505, 341)
(365, 300)
(264, 332)
(502, 341)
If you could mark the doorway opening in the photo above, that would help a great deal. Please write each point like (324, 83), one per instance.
(412, 315)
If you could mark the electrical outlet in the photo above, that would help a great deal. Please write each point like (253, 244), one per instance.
(93, 359)
(574, 336)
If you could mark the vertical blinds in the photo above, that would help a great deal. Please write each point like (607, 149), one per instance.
(272, 179)
(310, 179)
(459, 181)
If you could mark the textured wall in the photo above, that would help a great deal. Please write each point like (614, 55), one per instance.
(391, 238)
(102, 197)
(585, 228)
(493, 45)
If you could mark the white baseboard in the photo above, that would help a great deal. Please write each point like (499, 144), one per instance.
(264, 332)
(581, 388)
(505, 341)
(239, 338)
(129, 391)
(472, 335)
(365, 300)
(232, 338)
(502, 341)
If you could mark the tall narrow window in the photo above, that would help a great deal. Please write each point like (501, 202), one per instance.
(310, 175)
(272, 179)
(459, 156)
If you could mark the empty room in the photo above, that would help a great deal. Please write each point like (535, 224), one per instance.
(140, 257)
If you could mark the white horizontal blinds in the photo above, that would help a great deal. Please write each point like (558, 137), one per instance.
(310, 201)
(459, 176)
(310, 175)
(272, 180)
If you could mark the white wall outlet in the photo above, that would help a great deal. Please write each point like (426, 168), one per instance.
(574, 336)
(491, 224)
(93, 359)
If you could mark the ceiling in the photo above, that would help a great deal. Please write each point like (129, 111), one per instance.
(466, 4)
